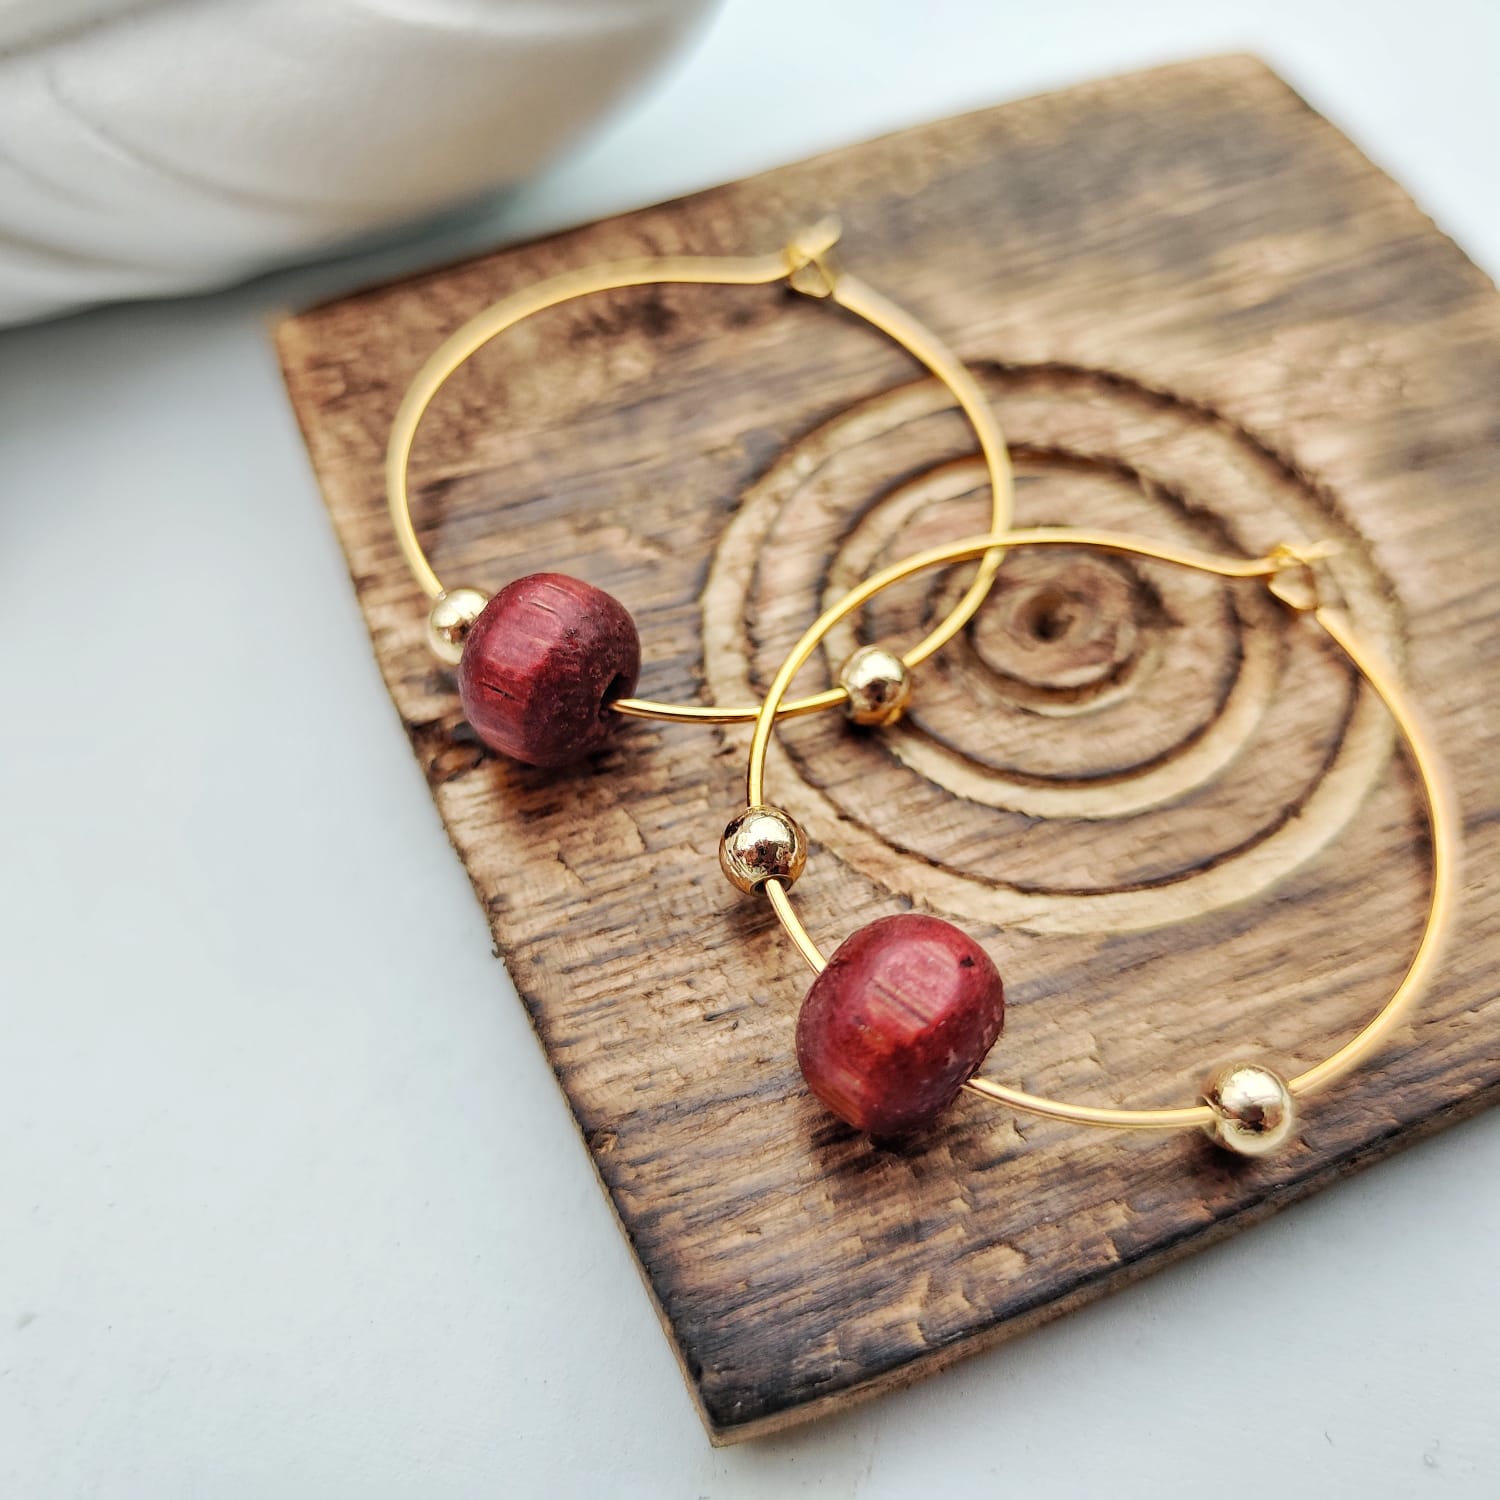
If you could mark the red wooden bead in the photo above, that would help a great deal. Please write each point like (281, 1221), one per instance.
(541, 665)
(904, 1013)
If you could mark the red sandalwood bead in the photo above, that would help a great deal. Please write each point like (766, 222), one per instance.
(904, 1013)
(541, 665)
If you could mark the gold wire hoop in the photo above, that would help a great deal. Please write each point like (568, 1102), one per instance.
(1288, 571)
(808, 266)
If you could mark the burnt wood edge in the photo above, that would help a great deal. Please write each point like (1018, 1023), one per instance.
(723, 1433)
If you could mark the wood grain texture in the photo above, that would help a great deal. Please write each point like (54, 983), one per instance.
(1159, 801)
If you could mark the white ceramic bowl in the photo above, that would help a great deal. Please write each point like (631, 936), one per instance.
(153, 148)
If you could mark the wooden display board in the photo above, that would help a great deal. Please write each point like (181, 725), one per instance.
(1160, 801)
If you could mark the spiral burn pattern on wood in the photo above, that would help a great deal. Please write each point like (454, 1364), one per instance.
(1090, 692)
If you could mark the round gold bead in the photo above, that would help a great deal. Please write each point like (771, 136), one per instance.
(878, 685)
(761, 844)
(1254, 1112)
(449, 621)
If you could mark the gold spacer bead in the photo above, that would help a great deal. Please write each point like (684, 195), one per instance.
(449, 621)
(1254, 1112)
(878, 685)
(761, 844)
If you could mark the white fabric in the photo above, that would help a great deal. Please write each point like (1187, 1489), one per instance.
(151, 148)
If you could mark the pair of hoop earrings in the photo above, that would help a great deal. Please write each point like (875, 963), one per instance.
(908, 1008)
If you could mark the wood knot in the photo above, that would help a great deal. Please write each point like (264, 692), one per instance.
(1063, 627)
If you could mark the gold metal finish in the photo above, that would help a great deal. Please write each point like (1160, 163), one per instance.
(878, 686)
(1253, 1111)
(761, 844)
(764, 848)
(1290, 573)
(450, 619)
(808, 266)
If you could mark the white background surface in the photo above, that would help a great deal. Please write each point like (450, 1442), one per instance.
(289, 1203)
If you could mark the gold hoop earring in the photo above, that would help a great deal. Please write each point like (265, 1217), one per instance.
(902, 1016)
(549, 664)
